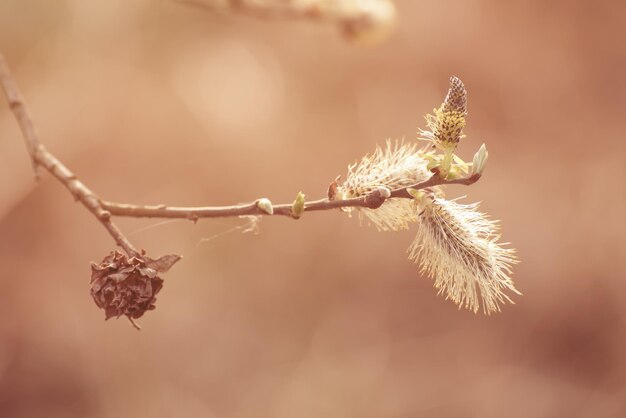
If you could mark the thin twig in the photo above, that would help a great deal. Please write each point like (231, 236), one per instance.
(103, 210)
(371, 201)
(14, 98)
(354, 18)
(42, 157)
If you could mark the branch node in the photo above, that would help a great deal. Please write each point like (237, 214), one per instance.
(377, 197)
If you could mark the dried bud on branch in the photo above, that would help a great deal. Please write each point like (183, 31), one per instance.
(128, 286)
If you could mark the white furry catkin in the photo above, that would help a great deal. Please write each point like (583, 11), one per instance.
(457, 246)
(395, 166)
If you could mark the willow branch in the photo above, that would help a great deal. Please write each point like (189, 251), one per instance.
(372, 201)
(41, 157)
(103, 209)
(354, 18)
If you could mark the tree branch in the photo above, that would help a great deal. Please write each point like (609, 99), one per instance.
(42, 157)
(355, 19)
(103, 210)
(14, 98)
(372, 201)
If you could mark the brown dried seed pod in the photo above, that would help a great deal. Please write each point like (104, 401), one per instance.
(124, 286)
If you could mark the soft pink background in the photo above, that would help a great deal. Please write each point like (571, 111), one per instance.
(153, 102)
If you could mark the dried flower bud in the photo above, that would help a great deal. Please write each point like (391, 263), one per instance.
(333, 188)
(128, 286)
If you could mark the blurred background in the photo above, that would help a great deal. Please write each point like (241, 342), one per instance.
(158, 102)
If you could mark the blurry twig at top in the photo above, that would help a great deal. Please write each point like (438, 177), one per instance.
(367, 21)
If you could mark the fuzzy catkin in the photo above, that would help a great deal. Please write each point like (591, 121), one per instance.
(397, 165)
(457, 246)
(445, 126)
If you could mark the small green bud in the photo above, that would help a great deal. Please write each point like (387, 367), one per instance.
(297, 208)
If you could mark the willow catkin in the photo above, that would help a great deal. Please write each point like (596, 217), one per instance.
(457, 246)
(445, 126)
(397, 165)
